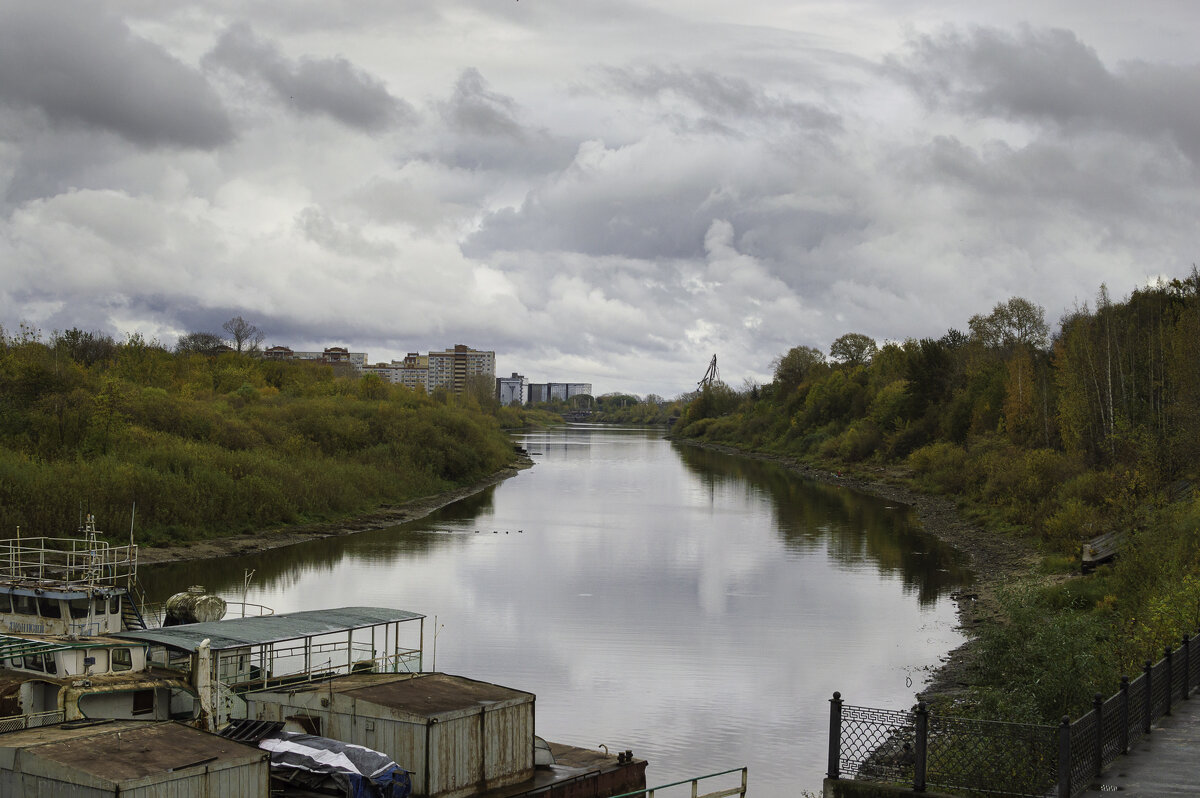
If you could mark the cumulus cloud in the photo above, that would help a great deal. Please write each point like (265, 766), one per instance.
(596, 196)
(83, 68)
(1050, 77)
(726, 101)
(334, 87)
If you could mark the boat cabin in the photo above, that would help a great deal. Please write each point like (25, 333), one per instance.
(85, 613)
(67, 586)
(50, 679)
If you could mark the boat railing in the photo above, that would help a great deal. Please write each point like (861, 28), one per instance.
(694, 783)
(31, 721)
(154, 612)
(89, 561)
(322, 663)
(246, 609)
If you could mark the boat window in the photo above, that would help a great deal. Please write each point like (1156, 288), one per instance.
(24, 605)
(50, 665)
(143, 702)
(48, 608)
(122, 659)
(33, 662)
(114, 605)
(79, 607)
(5, 602)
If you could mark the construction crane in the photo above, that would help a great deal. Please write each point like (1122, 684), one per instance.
(710, 376)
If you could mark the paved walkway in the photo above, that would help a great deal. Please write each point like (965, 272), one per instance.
(1161, 764)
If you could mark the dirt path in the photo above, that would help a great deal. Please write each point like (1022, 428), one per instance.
(385, 516)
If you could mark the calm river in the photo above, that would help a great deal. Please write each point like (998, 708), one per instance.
(695, 607)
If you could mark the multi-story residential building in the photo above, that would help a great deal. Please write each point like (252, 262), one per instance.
(413, 371)
(454, 368)
(510, 389)
(386, 371)
(332, 355)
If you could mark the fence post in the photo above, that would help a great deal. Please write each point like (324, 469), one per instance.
(922, 747)
(835, 736)
(1064, 758)
(1170, 680)
(1148, 704)
(1187, 666)
(1098, 707)
(1123, 717)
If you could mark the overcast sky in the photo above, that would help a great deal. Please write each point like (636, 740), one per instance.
(603, 192)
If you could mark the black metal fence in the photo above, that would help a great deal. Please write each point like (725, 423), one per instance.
(978, 757)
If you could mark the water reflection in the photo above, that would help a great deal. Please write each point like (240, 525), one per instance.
(850, 526)
(696, 607)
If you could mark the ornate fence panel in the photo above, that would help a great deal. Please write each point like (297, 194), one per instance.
(976, 755)
(1007, 759)
(1085, 734)
(877, 744)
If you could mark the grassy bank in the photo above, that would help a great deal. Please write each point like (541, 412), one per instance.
(1044, 440)
(209, 446)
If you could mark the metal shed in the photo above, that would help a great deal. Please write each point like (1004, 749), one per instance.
(456, 736)
(131, 759)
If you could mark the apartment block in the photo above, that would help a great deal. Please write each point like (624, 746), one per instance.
(453, 368)
(333, 355)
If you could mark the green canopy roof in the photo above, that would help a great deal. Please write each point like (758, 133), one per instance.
(265, 629)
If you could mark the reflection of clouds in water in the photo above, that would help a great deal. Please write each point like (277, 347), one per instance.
(687, 611)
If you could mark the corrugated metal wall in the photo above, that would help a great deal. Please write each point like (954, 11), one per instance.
(455, 755)
(508, 735)
(252, 780)
(15, 783)
(448, 758)
(248, 779)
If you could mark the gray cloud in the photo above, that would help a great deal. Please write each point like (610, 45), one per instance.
(484, 132)
(727, 99)
(82, 68)
(474, 108)
(1050, 77)
(331, 86)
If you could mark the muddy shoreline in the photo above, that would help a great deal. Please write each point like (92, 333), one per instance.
(264, 540)
(995, 560)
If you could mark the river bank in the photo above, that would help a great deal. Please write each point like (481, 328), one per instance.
(995, 560)
(263, 540)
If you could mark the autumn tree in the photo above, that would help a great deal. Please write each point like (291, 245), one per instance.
(246, 337)
(797, 365)
(853, 349)
(1020, 419)
(1017, 321)
(199, 343)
